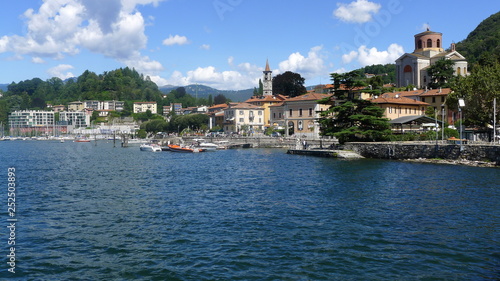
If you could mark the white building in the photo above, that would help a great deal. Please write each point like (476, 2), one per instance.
(144, 106)
(237, 116)
(76, 118)
(31, 118)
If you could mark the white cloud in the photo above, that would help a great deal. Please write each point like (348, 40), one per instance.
(205, 47)
(369, 56)
(176, 40)
(308, 67)
(61, 71)
(347, 58)
(113, 28)
(37, 60)
(230, 60)
(359, 11)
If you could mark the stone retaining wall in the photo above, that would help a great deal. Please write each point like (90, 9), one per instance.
(393, 150)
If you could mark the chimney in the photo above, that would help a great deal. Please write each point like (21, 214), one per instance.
(439, 90)
(452, 47)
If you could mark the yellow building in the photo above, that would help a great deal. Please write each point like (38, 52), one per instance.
(265, 102)
(395, 105)
(299, 114)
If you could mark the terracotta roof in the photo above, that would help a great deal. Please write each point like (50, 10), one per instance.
(222, 105)
(437, 92)
(266, 99)
(395, 98)
(277, 104)
(267, 66)
(243, 105)
(309, 96)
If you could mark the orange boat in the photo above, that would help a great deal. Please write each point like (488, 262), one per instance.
(178, 148)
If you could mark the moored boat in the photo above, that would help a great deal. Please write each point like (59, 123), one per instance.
(178, 148)
(150, 147)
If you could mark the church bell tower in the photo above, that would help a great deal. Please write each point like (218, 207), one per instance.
(267, 83)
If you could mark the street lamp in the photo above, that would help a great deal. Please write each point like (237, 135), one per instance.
(461, 103)
(442, 121)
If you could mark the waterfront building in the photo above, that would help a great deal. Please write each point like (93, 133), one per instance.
(239, 117)
(299, 115)
(395, 105)
(75, 118)
(144, 106)
(31, 121)
(411, 68)
(216, 115)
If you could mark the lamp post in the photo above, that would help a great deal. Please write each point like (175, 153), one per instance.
(461, 103)
(442, 121)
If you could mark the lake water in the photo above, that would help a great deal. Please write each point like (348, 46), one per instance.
(101, 213)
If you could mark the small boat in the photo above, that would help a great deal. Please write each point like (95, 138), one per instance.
(178, 148)
(150, 147)
(208, 146)
(81, 140)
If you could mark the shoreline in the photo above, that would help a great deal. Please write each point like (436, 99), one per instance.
(460, 162)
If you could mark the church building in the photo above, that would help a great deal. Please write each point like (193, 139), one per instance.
(411, 68)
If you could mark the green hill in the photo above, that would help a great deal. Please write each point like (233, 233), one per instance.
(482, 45)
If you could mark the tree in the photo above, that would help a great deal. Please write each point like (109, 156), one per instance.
(180, 92)
(478, 91)
(289, 83)
(441, 73)
(261, 88)
(219, 99)
(344, 84)
(356, 120)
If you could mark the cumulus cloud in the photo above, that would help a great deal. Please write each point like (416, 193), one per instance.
(359, 11)
(61, 71)
(369, 56)
(308, 67)
(176, 40)
(205, 47)
(113, 28)
(37, 60)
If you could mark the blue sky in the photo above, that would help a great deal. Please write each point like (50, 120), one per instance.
(220, 43)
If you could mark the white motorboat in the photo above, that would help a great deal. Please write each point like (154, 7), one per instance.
(150, 147)
(207, 146)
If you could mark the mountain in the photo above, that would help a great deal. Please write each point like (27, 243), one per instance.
(3, 87)
(482, 45)
(202, 91)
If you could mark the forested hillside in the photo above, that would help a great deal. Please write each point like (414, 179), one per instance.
(482, 45)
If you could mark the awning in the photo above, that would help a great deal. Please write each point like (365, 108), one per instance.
(414, 119)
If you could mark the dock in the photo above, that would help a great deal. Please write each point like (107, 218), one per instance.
(344, 154)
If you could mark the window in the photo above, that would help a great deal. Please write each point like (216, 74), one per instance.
(310, 111)
(415, 110)
(438, 43)
(423, 99)
(260, 112)
(442, 98)
(241, 112)
(260, 120)
(291, 113)
(274, 115)
(299, 124)
(242, 120)
(300, 111)
(429, 43)
(279, 114)
(458, 71)
(419, 44)
(400, 110)
(433, 99)
(390, 109)
(407, 68)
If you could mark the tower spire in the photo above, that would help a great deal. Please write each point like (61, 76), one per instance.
(267, 65)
